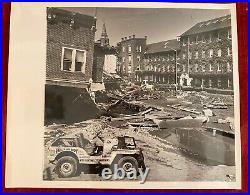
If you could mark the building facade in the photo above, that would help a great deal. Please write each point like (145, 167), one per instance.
(206, 54)
(159, 63)
(69, 66)
(130, 56)
(70, 48)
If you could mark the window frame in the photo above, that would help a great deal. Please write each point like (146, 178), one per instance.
(73, 59)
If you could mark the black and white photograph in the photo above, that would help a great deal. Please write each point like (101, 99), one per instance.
(145, 89)
(125, 95)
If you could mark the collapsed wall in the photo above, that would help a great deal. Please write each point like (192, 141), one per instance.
(68, 105)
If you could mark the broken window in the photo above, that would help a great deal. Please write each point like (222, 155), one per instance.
(67, 59)
(73, 60)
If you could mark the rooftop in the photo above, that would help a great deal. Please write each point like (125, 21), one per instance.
(209, 25)
(163, 46)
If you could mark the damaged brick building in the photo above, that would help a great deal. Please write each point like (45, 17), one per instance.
(69, 66)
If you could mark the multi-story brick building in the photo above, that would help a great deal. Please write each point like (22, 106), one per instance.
(130, 55)
(70, 48)
(159, 63)
(69, 65)
(206, 54)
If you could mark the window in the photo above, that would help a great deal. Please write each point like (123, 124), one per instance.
(228, 67)
(229, 83)
(218, 67)
(183, 68)
(203, 54)
(210, 83)
(219, 82)
(79, 60)
(210, 67)
(196, 55)
(129, 59)
(168, 68)
(129, 69)
(123, 49)
(218, 37)
(184, 43)
(191, 41)
(211, 53)
(123, 59)
(203, 67)
(196, 68)
(229, 51)
(73, 60)
(129, 48)
(138, 58)
(203, 39)
(168, 58)
(197, 39)
(184, 56)
(139, 48)
(67, 59)
(219, 52)
(210, 38)
(172, 59)
(229, 34)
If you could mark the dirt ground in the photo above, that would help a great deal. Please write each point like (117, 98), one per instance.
(166, 161)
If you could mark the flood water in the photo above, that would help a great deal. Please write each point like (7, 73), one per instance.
(202, 145)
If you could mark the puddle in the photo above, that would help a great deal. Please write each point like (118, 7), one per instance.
(201, 145)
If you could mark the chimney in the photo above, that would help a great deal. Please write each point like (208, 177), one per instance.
(146, 37)
(133, 36)
(122, 39)
(129, 37)
(125, 38)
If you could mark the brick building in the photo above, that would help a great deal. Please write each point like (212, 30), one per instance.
(206, 54)
(159, 63)
(130, 56)
(69, 64)
(70, 47)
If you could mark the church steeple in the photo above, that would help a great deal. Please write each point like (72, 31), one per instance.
(104, 36)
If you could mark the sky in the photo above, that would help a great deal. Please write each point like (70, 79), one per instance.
(158, 24)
